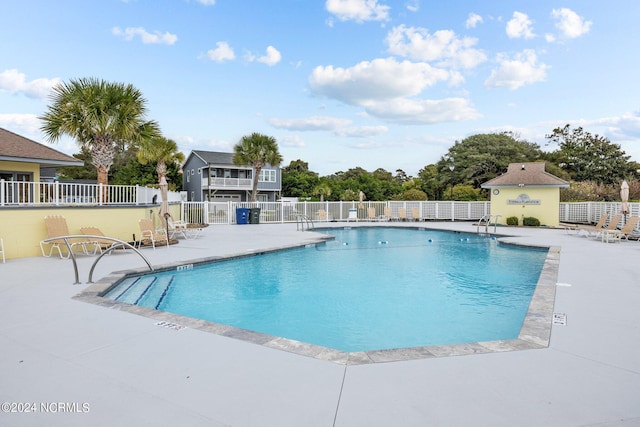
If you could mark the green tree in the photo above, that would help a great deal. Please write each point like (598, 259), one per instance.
(323, 190)
(412, 194)
(298, 180)
(589, 157)
(482, 157)
(99, 115)
(162, 152)
(256, 150)
(430, 182)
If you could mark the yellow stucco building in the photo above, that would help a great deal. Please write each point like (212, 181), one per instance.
(526, 190)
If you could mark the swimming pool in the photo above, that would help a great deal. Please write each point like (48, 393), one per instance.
(369, 289)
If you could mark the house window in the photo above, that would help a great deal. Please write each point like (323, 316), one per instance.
(188, 177)
(267, 176)
(227, 173)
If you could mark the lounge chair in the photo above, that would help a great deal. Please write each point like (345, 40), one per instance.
(612, 226)
(100, 245)
(386, 216)
(402, 214)
(627, 230)
(322, 215)
(57, 227)
(148, 232)
(588, 229)
(176, 228)
(371, 214)
(415, 214)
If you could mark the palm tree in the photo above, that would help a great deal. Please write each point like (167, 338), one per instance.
(100, 116)
(322, 190)
(256, 150)
(162, 151)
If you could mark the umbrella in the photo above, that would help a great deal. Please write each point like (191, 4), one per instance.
(164, 205)
(624, 196)
(361, 206)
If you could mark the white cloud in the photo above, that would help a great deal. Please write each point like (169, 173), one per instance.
(358, 10)
(520, 26)
(15, 82)
(339, 126)
(413, 5)
(375, 80)
(147, 38)
(443, 46)
(624, 127)
(222, 52)
(272, 57)
(314, 123)
(361, 131)
(423, 111)
(207, 2)
(27, 125)
(292, 141)
(570, 24)
(386, 89)
(522, 70)
(473, 20)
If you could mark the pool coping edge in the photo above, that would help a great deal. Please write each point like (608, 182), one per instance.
(535, 332)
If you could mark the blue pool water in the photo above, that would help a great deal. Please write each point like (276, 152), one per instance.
(369, 289)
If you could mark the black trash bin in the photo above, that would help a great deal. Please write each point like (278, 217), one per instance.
(242, 215)
(254, 216)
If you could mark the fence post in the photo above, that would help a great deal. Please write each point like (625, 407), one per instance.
(2, 195)
(56, 193)
(453, 211)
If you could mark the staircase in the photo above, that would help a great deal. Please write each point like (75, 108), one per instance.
(146, 291)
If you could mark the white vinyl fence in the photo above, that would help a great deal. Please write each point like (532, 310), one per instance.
(281, 212)
(19, 193)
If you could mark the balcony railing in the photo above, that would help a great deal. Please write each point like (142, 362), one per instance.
(243, 183)
(18, 193)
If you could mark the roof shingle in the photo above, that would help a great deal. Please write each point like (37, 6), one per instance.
(532, 173)
(14, 147)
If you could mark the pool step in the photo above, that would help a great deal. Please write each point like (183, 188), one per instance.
(146, 291)
(156, 293)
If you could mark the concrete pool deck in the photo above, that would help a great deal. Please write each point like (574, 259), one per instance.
(76, 363)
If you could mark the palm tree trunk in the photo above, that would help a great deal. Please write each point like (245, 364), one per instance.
(103, 178)
(254, 190)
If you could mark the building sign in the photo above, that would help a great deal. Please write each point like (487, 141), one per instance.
(523, 199)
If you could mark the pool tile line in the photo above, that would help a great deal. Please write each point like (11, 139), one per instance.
(534, 334)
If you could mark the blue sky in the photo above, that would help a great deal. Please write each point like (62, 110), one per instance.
(338, 83)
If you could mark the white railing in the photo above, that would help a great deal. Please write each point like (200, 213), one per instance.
(17, 193)
(227, 183)
(281, 212)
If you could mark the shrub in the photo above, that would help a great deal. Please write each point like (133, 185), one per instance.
(531, 221)
(512, 220)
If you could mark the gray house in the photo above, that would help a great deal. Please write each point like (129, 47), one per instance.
(212, 176)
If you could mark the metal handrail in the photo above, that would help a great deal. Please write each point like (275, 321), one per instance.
(301, 220)
(88, 238)
(487, 223)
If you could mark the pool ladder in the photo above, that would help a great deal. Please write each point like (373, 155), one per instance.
(302, 221)
(486, 220)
